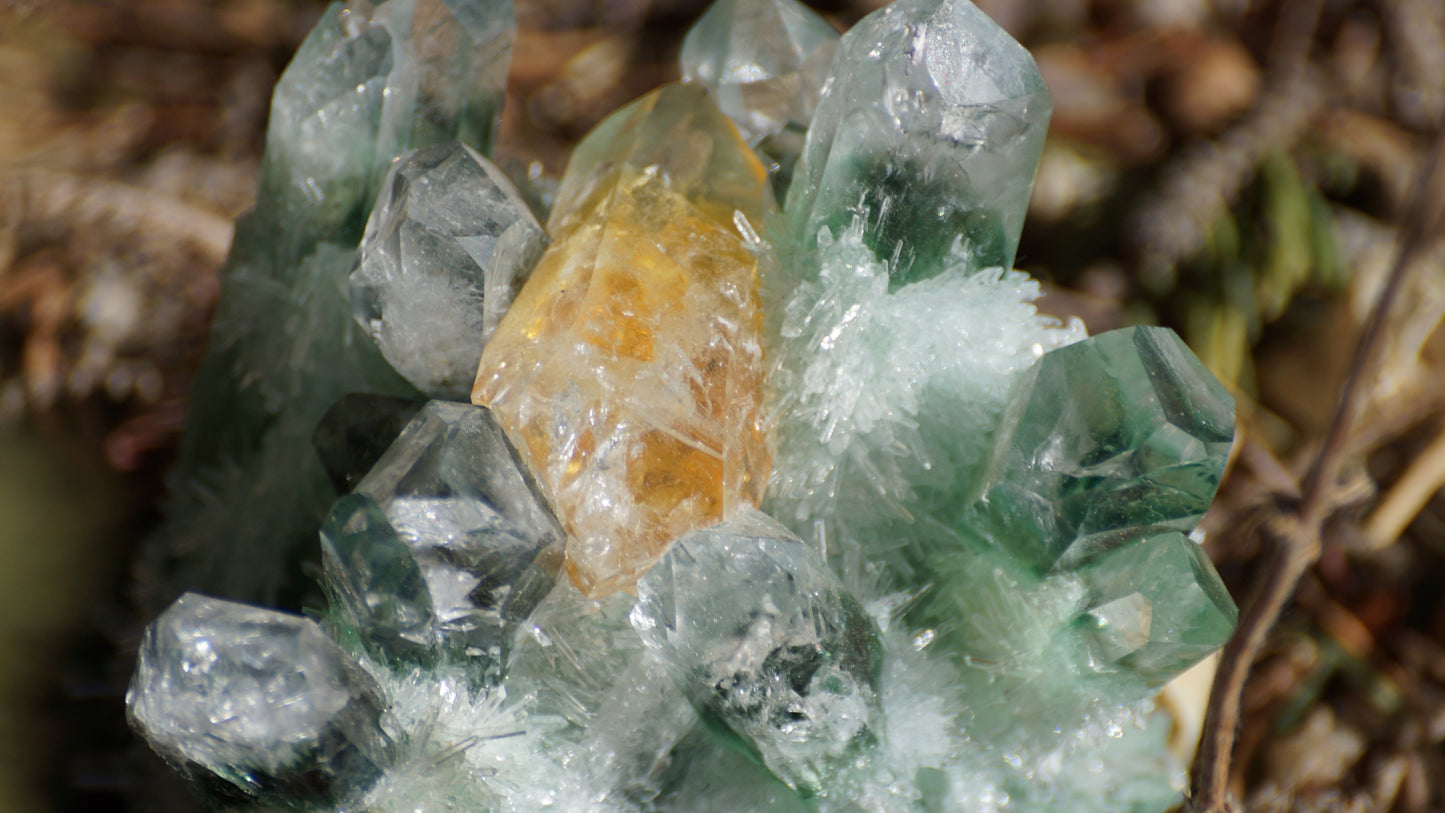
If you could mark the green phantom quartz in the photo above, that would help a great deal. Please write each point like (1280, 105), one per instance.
(1119, 435)
(764, 640)
(1156, 607)
(766, 62)
(445, 548)
(929, 132)
(284, 347)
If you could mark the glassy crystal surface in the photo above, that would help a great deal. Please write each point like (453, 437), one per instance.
(446, 547)
(284, 346)
(251, 704)
(629, 369)
(1116, 436)
(929, 132)
(764, 640)
(444, 253)
(765, 61)
(1156, 607)
(356, 431)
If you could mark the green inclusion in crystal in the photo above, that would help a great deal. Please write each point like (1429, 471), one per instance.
(1116, 436)
(929, 132)
(1156, 607)
(766, 62)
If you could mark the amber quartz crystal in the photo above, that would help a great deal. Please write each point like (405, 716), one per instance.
(629, 370)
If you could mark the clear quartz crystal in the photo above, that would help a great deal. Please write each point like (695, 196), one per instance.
(445, 251)
(446, 546)
(763, 639)
(929, 131)
(765, 61)
(356, 431)
(254, 704)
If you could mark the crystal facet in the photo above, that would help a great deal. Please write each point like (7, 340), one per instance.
(1117, 436)
(356, 431)
(444, 253)
(1157, 607)
(252, 704)
(629, 369)
(764, 640)
(765, 61)
(929, 132)
(446, 547)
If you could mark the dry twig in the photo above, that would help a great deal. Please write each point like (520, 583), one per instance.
(1296, 531)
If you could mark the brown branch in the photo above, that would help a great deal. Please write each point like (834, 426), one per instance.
(1296, 532)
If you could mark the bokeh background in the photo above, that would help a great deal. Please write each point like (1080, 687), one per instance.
(1241, 170)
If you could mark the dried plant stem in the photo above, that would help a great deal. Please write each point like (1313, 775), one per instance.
(1296, 531)
(1424, 476)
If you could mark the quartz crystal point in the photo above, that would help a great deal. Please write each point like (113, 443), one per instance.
(251, 704)
(446, 547)
(1120, 435)
(928, 132)
(284, 346)
(765, 61)
(629, 369)
(764, 640)
(444, 253)
(1156, 607)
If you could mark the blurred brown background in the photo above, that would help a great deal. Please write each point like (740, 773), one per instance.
(1241, 170)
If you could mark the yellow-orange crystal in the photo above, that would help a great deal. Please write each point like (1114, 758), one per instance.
(629, 369)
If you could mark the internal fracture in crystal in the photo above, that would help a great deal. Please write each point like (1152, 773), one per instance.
(445, 251)
(252, 704)
(763, 639)
(928, 132)
(765, 61)
(629, 368)
(446, 547)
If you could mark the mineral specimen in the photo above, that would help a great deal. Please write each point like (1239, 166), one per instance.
(928, 132)
(995, 576)
(765, 61)
(444, 253)
(445, 547)
(791, 665)
(251, 704)
(629, 368)
(368, 83)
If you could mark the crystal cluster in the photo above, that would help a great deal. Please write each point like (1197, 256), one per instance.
(755, 508)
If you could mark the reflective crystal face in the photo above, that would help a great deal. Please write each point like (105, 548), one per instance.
(762, 638)
(444, 253)
(629, 369)
(356, 431)
(1157, 607)
(929, 131)
(259, 700)
(446, 546)
(765, 61)
(1120, 435)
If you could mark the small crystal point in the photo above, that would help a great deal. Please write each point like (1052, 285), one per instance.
(763, 639)
(1157, 607)
(1117, 436)
(446, 547)
(260, 701)
(629, 369)
(929, 131)
(444, 253)
(766, 62)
